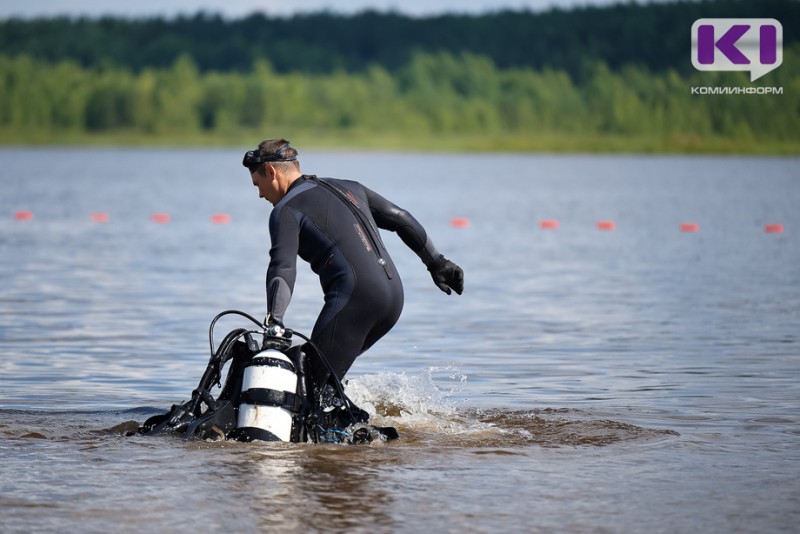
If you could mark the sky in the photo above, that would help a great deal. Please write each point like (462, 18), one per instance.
(240, 8)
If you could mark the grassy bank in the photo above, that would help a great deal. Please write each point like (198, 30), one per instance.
(349, 140)
(436, 102)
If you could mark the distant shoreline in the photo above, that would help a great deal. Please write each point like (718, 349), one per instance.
(545, 143)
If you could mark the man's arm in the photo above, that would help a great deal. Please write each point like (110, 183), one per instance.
(445, 273)
(393, 218)
(282, 271)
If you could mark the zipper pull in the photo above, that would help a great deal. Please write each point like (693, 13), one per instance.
(385, 266)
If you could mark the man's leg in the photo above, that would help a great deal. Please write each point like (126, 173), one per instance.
(345, 331)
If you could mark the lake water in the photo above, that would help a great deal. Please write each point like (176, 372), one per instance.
(637, 379)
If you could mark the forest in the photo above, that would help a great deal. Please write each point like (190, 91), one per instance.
(614, 78)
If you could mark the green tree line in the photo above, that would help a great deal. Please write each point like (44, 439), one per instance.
(434, 94)
(653, 36)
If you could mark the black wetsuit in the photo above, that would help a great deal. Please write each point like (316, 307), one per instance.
(332, 224)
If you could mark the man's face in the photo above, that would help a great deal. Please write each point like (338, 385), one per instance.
(267, 186)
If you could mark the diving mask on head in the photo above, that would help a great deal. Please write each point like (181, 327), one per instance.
(254, 158)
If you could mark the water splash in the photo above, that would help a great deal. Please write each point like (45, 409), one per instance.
(413, 401)
(424, 413)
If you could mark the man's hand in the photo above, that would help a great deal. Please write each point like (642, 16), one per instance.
(446, 275)
(273, 327)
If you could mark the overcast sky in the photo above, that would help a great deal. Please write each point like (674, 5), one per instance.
(239, 8)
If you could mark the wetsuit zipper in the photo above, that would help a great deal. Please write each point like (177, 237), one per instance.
(369, 228)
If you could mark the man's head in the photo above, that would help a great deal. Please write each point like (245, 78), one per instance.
(273, 167)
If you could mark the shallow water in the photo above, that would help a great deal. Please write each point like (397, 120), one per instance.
(639, 379)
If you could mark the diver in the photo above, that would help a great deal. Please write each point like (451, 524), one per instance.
(333, 225)
(283, 392)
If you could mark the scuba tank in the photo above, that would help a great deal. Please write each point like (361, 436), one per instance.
(267, 396)
(265, 411)
(271, 395)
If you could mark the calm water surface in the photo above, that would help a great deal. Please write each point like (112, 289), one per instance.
(642, 379)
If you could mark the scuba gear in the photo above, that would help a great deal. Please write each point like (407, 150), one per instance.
(446, 275)
(267, 395)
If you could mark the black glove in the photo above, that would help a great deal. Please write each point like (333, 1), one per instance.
(446, 275)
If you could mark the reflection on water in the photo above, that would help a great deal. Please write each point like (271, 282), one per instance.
(640, 379)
